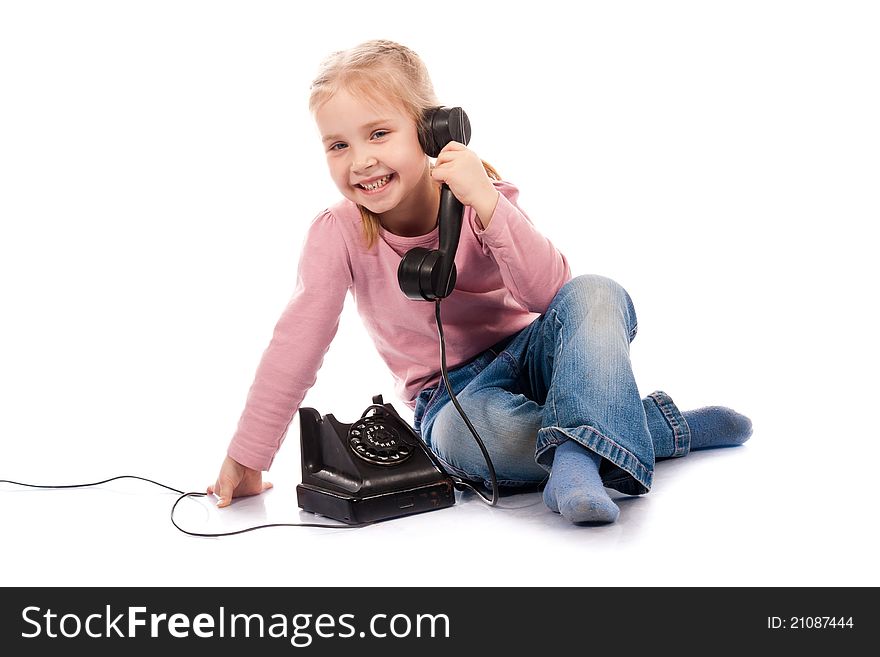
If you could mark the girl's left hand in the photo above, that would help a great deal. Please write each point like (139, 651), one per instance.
(461, 169)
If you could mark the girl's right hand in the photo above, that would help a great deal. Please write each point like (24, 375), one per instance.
(237, 480)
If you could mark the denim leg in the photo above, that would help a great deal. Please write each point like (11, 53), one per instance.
(670, 433)
(579, 360)
(565, 376)
(508, 423)
(506, 420)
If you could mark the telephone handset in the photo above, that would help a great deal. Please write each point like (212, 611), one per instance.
(429, 274)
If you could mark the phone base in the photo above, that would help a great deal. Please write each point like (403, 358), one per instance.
(353, 510)
(376, 468)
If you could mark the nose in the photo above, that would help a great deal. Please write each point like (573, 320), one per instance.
(362, 160)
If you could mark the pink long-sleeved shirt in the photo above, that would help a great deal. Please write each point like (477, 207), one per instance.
(506, 276)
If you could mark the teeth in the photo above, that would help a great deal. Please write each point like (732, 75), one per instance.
(376, 185)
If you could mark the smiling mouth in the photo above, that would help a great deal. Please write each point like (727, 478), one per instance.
(376, 185)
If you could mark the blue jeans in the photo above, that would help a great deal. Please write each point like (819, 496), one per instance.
(565, 376)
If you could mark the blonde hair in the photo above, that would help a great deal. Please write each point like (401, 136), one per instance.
(379, 71)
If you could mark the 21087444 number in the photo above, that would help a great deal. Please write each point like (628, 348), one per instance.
(809, 622)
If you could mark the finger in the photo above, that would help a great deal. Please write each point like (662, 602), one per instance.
(220, 501)
(224, 492)
(447, 156)
(453, 146)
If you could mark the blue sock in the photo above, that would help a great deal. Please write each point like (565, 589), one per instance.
(575, 488)
(717, 426)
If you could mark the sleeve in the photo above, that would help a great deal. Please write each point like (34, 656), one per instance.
(302, 336)
(532, 269)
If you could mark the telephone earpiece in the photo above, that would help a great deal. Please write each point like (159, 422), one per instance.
(441, 125)
(426, 274)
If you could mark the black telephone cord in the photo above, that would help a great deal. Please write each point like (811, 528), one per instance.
(459, 482)
(183, 495)
(494, 500)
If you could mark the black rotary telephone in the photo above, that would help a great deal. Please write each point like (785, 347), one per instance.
(378, 467)
(374, 469)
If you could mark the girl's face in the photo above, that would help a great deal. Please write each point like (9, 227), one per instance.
(375, 158)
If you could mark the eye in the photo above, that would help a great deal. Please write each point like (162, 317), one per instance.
(339, 145)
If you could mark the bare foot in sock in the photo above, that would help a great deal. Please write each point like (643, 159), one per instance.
(575, 488)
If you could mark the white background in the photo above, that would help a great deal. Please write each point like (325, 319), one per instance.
(158, 170)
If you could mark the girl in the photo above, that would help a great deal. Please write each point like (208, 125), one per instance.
(539, 360)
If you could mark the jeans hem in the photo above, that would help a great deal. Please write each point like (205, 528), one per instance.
(681, 432)
(628, 474)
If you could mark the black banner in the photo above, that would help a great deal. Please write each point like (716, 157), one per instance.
(429, 621)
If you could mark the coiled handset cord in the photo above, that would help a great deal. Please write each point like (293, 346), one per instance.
(459, 482)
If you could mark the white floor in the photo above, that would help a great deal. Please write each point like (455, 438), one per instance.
(720, 162)
(720, 517)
